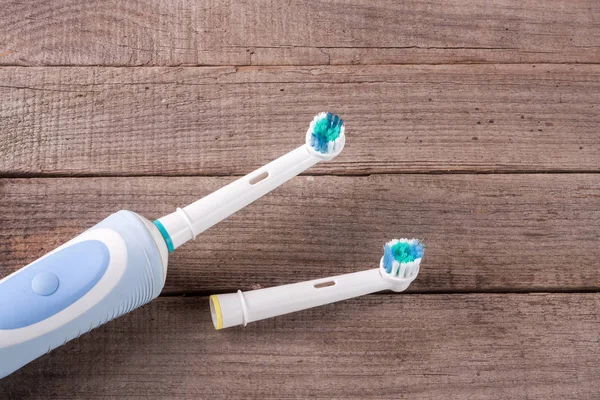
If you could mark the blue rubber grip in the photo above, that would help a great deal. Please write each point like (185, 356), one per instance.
(33, 296)
(106, 272)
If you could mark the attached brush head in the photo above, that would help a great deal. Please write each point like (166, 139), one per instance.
(400, 262)
(325, 137)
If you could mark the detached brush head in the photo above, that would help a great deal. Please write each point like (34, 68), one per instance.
(401, 260)
(325, 137)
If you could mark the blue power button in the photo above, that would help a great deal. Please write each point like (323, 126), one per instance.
(45, 283)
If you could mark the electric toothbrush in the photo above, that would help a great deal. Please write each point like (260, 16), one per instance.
(121, 263)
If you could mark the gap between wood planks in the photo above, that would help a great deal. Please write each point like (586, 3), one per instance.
(207, 293)
(26, 175)
(243, 66)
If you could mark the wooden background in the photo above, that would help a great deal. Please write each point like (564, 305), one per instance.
(473, 125)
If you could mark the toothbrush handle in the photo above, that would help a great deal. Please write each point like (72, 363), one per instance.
(241, 308)
(186, 224)
(103, 273)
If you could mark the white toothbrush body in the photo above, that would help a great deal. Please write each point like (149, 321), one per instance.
(241, 308)
(185, 224)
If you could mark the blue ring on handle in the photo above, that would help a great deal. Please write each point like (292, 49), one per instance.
(165, 235)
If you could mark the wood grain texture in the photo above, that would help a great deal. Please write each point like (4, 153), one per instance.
(265, 32)
(220, 121)
(543, 346)
(483, 232)
(215, 88)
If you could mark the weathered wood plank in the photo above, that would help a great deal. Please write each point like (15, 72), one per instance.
(238, 32)
(483, 346)
(483, 232)
(219, 121)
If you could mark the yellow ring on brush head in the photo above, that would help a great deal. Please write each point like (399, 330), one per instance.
(216, 307)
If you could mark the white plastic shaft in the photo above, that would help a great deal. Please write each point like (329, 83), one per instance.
(185, 224)
(243, 307)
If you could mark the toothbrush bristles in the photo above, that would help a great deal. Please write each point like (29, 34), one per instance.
(326, 132)
(401, 257)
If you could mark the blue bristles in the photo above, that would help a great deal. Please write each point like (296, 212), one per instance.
(400, 252)
(416, 250)
(326, 130)
(388, 258)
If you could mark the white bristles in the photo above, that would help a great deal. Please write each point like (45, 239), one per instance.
(395, 268)
(402, 271)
